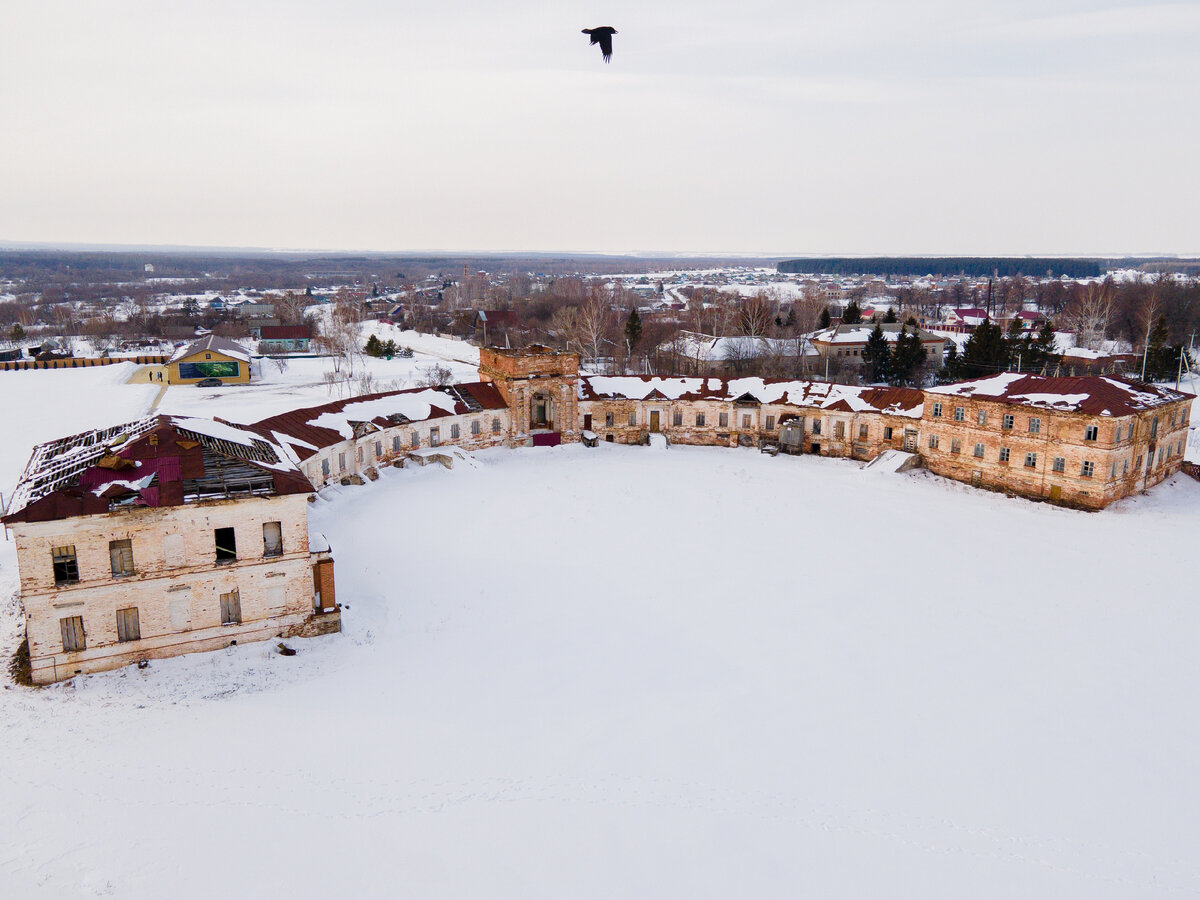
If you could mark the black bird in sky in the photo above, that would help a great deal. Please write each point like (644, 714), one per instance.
(603, 37)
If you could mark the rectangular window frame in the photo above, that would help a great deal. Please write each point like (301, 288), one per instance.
(129, 626)
(120, 557)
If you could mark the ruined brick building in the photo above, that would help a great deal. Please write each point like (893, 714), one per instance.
(163, 536)
(169, 535)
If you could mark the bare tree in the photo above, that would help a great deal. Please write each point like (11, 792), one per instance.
(435, 375)
(1090, 314)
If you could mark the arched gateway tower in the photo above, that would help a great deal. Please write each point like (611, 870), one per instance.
(541, 387)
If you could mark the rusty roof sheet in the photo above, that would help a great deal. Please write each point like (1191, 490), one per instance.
(305, 431)
(1095, 395)
(811, 394)
(160, 461)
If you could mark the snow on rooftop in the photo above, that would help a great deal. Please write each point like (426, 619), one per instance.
(416, 406)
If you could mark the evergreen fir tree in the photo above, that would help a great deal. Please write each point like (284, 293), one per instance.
(952, 368)
(907, 357)
(374, 347)
(889, 317)
(1042, 350)
(876, 356)
(1160, 359)
(191, 307)
(388, 349)
(985, 352)
(824, 319)
(911, 322)
(17, 332)
(633, 329)
(852, 315)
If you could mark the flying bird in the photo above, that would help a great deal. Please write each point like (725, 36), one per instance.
(603, 37)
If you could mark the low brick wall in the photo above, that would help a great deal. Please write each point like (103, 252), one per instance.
(1192, 469)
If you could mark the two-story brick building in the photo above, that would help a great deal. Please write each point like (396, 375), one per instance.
(1083, 441)
(163, 536)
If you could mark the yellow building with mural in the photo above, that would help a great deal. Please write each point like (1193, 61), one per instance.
(210, 357)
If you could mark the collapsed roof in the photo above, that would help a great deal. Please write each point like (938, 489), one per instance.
(150, 462)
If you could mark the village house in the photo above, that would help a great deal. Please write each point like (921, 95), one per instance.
(159, 537)
(845, 343)
(1084, 441)
(703, 354)
(284, 339)
(209, 357)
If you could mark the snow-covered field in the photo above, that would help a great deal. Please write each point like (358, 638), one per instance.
(620, 672)
(692, 673)
(301, 380)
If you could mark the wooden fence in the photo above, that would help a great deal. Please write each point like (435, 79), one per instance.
(76, 362)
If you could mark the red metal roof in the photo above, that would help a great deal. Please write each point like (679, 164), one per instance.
(297, 423)
(1094, 395)
(285, 332)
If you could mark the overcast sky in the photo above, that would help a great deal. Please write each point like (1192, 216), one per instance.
(1014, 127)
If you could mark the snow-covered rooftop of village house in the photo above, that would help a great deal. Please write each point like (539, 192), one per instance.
(214, 343)
(860, 331)
(812, 394)
(1091, 394)
(706, 347)
(304, 431)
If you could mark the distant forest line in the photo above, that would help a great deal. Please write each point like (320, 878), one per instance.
(970, 266)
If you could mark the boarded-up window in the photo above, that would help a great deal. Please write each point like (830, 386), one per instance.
(435, 437)
(608, 420)
(120, 555)
(839, 429)
(325, 468)
(396, 444)
(416, 439)
(378, 449)
(180, 607)
(128, 626)
(231, 608)
(173, 550)
(862, 432)
(770, 423)
(66, 566)
(745, 421)
(475, 426)
(455, 432)
(72, 634)
(226, 544)
(272, 539)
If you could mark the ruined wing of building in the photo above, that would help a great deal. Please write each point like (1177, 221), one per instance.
(168, 535)
(163, 536)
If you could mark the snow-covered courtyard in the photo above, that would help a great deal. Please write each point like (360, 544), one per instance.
(619, 671)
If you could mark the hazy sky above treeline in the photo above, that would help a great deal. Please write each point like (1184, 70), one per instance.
(797, 127)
